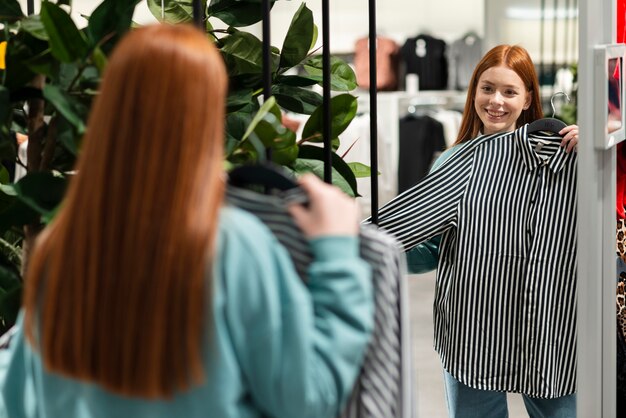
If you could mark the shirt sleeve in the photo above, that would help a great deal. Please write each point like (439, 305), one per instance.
(430, 207)
(300, 346)
(425, 256)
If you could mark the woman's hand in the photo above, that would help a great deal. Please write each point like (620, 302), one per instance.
(330, 211)
(570, 138)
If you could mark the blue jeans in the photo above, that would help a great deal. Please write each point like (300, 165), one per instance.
(466, 402)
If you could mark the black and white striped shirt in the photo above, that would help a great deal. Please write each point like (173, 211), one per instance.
(383, 387)
(505, 300)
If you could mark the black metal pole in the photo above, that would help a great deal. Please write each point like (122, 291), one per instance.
(373, 112)
(566, 19)
(554, 36)
(267, 59)
(198, 13)
(542, 18)
(30, 7)
(328, 162)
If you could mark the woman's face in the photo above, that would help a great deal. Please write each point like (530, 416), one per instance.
(500, 98)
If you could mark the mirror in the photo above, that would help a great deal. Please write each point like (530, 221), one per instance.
(614, 119)
(609, 76)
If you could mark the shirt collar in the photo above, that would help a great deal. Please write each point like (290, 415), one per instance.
(531, 160)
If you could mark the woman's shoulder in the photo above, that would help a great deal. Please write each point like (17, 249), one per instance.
(242, 232)
(236, 222)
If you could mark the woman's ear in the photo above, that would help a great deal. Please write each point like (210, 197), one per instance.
(529, 100)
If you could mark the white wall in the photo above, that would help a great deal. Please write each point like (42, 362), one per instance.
(519, 22)
(400, 19)
(85, 7)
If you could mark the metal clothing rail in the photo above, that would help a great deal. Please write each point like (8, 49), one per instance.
(198, 13)
(328, 162)
(199, 16)
(373, 112)
(267, 57)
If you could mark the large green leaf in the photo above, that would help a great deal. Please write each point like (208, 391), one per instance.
(243, 53)
(66, 41)
(110, 17)
(276, 137)
(10, 11)
(10, 303)
(67, 135)
(20, 49)
(342, 77)
(5, 104)
(44, 63)
(314, 165)
(298, 39)
(40, 191)
(4, 175)
(297, 99)
(238, 99)
(268, 107)
(175, 11)
(296, 80)
(14, 212)
(9, 274)
(65, 105)
(311, 152)
(360, 170)
(237, 13)
(343, 109)
(266, 131)
(33, 25)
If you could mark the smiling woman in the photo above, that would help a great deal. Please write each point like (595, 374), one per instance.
(488, 269)
(505, 75)
(500, 99)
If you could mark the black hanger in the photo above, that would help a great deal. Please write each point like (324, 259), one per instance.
(549, 124)
(546, 125)
(268, 175)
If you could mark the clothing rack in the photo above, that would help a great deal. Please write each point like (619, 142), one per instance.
(198, 15)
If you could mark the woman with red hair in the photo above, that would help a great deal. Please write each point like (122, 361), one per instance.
(504, 302)
(148, 296)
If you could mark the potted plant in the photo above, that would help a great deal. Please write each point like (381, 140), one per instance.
(50, 72)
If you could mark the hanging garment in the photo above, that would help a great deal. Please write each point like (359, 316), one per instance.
(451, 121)
(505, 301)
(425, 56)
(463, 55)
(383, 388)
(387, 59)
(421, 141)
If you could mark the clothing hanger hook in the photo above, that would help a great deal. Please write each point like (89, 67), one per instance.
(552, 100)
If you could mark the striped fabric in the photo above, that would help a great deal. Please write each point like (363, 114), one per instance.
(505, 299)
(383, 387)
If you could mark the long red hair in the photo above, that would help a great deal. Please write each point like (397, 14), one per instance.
(516, 58)
(116, 292)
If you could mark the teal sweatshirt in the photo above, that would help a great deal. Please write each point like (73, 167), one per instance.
(278, 347)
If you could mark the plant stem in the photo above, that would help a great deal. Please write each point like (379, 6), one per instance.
(15, 253)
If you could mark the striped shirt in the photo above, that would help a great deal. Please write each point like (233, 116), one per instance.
(383, 387)
(505, 298)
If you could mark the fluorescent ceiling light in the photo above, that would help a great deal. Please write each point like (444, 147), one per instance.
(528, 13)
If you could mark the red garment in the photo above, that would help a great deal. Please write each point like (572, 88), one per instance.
(621, 151)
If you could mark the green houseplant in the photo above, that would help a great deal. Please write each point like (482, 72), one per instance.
(51, 74)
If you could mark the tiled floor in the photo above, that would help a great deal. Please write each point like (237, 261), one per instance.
(428, 380)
